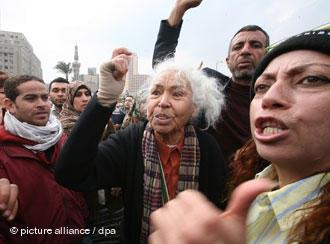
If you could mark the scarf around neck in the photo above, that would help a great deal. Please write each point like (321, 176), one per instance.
(188, 173)
(44, 136)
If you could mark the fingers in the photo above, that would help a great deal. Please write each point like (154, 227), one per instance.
(187, 4)
(245, 194)
(118, 66)
(185, 219)
(13, 212)
(4, 193)
(121, 50)
(121, 63)
(12, 203)
(8, 199)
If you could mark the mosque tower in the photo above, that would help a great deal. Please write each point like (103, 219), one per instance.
(76, 64)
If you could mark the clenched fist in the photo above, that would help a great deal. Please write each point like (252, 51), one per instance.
(112, 75)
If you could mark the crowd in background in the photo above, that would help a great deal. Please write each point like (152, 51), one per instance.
(176, 162)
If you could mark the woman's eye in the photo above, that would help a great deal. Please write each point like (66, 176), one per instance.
(314, 80)
(155, 92)
(261, 88)
(178, 94)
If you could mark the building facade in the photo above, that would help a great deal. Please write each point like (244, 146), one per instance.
(17, 56)
(134, 80)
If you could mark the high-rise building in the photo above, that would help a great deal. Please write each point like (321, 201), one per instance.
(92, 71)
(76, 64)
(134, 80)
(16, 55)
(91, 79)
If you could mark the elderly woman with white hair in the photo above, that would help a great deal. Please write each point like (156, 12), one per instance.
(152, 161)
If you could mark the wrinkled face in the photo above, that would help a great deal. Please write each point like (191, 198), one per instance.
(57, 93)
(290, 113)
(31, 105)
(169, 106)
(81, 99)
(128, 103)
(246, 50)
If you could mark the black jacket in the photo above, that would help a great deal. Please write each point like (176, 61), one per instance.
(85, 164)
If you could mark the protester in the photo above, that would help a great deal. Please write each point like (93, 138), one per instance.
(290, 127)
(122, 115)
(31, 139)
(78, 95)
(118, 116)
(246, 49)
(3, 77)
(128, 103)
(136, 112)
(139, 158)
(57, 94)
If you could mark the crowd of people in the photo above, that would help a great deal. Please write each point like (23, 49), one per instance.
(197, 157)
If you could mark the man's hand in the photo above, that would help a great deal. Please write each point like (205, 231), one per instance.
(112, 75)
(8, 199)
(187, 4)
(180, 7)
(191, 218)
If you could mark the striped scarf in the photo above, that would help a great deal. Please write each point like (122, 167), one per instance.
(188, 173)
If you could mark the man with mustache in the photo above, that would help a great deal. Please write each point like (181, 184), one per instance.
(30, 141)
(57, 94)
(246, 49)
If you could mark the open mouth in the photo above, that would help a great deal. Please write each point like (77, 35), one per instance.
(270, 128)
(162, 116)
(162, 119)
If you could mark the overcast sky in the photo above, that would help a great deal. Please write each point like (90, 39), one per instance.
(54, 27)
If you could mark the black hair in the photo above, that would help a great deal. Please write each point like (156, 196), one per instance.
(253, 28)
(57, 80)
(11, 84)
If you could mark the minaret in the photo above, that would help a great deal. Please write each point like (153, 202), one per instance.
(76, 64)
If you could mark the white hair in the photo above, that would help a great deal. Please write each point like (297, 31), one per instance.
(207, 94)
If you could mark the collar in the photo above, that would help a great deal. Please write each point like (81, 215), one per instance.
(166, 150)
(287, 200)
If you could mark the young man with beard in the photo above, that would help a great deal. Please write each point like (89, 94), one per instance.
(57, 94)
(30, 141)
(246, 49)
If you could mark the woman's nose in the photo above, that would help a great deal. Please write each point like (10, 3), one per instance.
(277, 96)
(164, 101)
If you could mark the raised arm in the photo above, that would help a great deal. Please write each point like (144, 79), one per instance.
(84, 164)
(169, 31)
